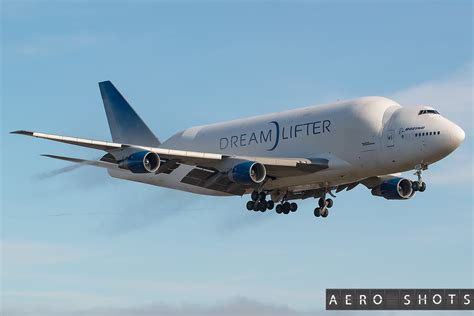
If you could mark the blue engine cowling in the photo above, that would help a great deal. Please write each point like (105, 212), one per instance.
(394, 189)
(141, 162)
(248, 173)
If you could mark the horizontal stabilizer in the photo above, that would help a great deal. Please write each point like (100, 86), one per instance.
(96, 163)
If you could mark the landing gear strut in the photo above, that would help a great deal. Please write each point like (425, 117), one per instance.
(419, 185)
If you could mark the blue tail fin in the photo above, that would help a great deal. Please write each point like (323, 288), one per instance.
(125, 125)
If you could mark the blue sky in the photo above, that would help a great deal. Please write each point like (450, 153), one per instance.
(83, 242)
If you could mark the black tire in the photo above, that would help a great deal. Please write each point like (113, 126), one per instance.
(262, 206)
(270, 204)
(317, 212)
(329, 203)
(254, 196)
(286, 208)
(256, 206)
(321, 202)
(250, 205)
(279, 208)
(325, 213)
(293, 207)
(423, 187)
(262, 196)
(415, 186)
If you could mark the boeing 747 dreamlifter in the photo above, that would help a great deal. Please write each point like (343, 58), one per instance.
(303, 153)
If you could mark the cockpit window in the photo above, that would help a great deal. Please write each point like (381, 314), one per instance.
(428, 112)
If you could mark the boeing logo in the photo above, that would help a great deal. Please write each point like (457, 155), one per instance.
(275, 134)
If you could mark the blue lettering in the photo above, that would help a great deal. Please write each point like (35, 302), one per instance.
(253, 137)
(224, 140)
(243, 139)
(264, 138)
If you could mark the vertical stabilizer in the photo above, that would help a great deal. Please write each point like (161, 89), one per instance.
(125, 125)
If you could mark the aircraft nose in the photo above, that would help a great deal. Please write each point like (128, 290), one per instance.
(457, 135)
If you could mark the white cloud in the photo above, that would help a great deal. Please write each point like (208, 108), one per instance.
(452, 96)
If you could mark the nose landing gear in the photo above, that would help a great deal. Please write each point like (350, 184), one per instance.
(419, 185)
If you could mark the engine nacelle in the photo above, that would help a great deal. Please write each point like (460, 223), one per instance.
(394, 189)
(247, 173)
(141, 162)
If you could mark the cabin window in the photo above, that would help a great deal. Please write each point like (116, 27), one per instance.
(428, 112)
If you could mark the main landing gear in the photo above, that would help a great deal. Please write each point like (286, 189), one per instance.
(259, 203)
(286, 207)
(419, 185)
(324, 206)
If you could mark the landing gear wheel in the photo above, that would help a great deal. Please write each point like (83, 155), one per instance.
(262, 196)
(286, 208)
(422, 187)
(293, 207)
(250, 205)
(270, 205)
(317, 212)
(321, 202)
(325, 212)
(262, 206)
(329, 203)
(279, 209)
(254, 196)
(415, 186)
(256, 206)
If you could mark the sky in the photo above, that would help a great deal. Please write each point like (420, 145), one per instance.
(77, 242)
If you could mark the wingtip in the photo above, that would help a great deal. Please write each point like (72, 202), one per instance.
(22, 132)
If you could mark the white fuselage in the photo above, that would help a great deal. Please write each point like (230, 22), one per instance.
(361, 138)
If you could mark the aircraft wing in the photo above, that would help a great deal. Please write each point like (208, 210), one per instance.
(276, 167)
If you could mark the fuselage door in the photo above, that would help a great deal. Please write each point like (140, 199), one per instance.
(391, 138)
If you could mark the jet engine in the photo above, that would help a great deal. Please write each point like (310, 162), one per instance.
(141, 162)
(394, 189)
(248, 173)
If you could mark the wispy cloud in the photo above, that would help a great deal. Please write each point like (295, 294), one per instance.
(149, 208)
(452, 95)
(235, 307)
(56, 44)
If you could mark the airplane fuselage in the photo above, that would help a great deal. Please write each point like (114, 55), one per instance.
(360, 138)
